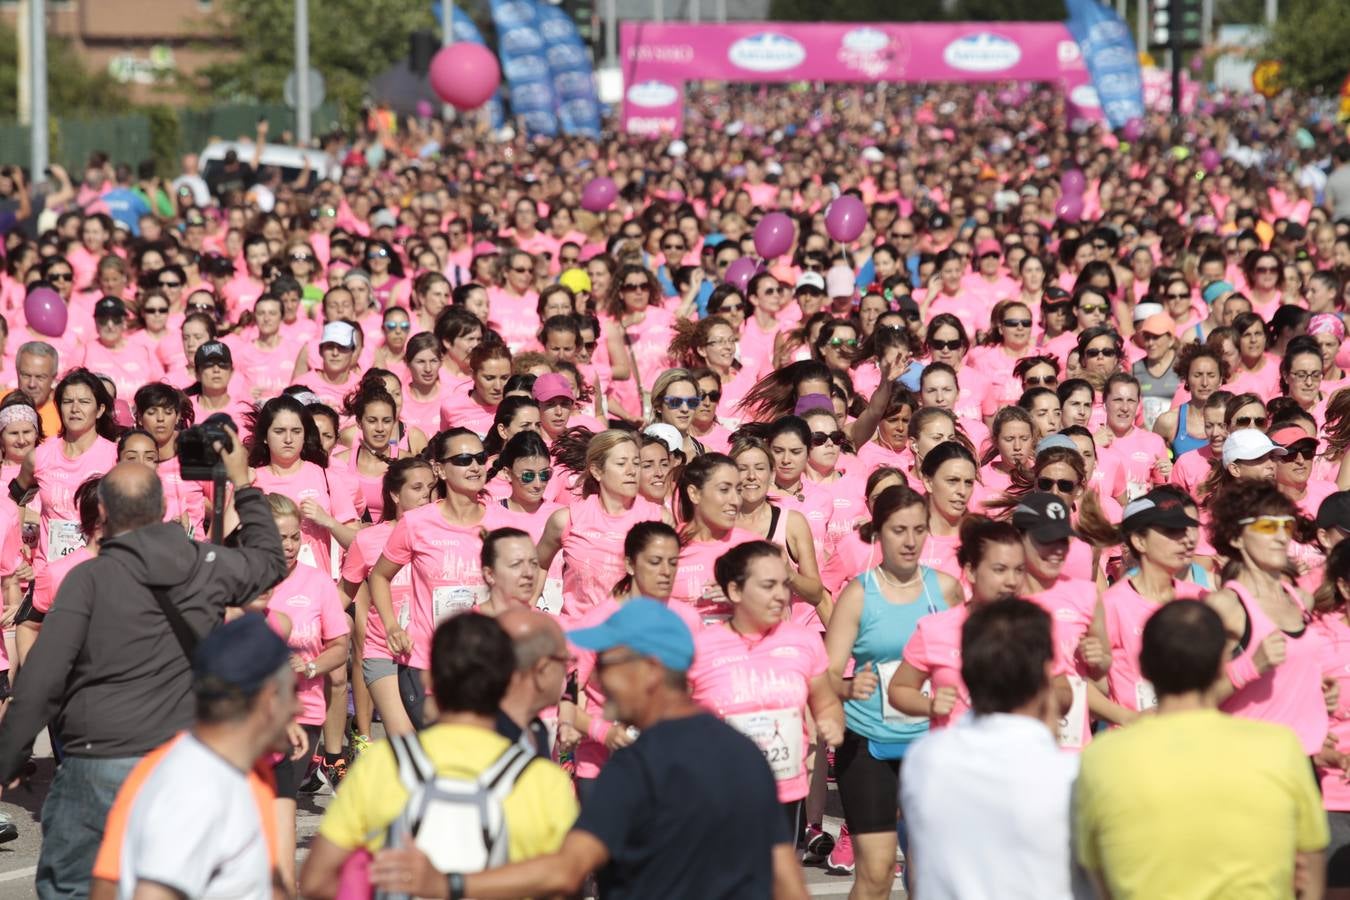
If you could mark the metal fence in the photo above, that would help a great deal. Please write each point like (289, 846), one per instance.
(158, 133)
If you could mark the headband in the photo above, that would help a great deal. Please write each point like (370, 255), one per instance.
(1326, 323)
(19, 412)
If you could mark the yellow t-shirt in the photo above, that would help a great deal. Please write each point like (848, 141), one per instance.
(1197, 805)
(539, 810)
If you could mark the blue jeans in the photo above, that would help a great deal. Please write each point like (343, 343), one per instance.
(72, 823)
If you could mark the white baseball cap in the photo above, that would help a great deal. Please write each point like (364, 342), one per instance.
(666, 434)
(1248, 444)
(812, 280)
(339, 333)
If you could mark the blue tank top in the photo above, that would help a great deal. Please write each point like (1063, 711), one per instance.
(883, 630)
(1182, 442)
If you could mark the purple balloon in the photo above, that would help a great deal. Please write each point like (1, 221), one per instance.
(1133, 130)
(741, 271)
(1211, 159)
(773, 235)
(1069, 208)
(45, 311)
(846, 218)
(598, 194)
(1073, 182)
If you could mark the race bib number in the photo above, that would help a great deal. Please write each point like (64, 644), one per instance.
(404, 615)
(63, 538)
(778, 734)
(306, 556)
(451, 601)
(1073, 723)
(889, 714)
(551, 600)
(1145, 698)
(1154, 407)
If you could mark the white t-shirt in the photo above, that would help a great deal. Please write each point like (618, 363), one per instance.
(194, 827)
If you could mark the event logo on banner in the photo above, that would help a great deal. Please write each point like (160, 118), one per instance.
(462, 28)
(573, 75)
(525, 65)
(1111, 58)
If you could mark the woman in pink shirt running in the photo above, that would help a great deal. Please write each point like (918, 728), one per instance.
(368, 457)
(708, 500)
(590, 531)
(86, 446)
(216, 390)
(949, 477)
(1332, 620)
(528, 471)
(473, 404)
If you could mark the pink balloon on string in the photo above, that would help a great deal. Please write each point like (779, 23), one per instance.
(1211, 159)
(773, 235)
(1069, 208)
(599, 193)
(465, 75)
(846, 218)
(741, 271)
(45, 311)
(1073, 182)
(1133, 130)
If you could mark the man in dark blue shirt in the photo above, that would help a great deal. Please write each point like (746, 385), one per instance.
(689, 790)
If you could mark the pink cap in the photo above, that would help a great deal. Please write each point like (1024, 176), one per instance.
(988, 246)
(551, 386)
(1158, 323)
(483, 248)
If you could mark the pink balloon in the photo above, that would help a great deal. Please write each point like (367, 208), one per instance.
(598, 194)
(45, 311)
(1211, 159)
(773, 235)
(741, 271)
(1069, 208)
(1073, 182)
(1133, 130)
(846, 218)
(465, 75)
(424, 109)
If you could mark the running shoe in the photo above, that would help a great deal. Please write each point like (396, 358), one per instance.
(8, 830)
(357, 744)
(817, 844)
(334, 773)
(840, 860)
(315, 780)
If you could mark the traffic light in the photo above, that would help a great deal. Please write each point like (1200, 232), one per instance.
(1175, 25)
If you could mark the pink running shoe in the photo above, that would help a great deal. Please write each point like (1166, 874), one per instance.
(840, 861)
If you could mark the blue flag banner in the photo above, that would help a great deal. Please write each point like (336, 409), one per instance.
(571, 70)
(1111, 59)
(462, 28)
(523, 52)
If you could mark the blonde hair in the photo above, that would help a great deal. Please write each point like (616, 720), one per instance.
(598, 450)
(283, 506)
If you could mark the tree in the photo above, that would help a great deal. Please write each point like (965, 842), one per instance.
(1312, 39)
(350, 42)
(72, 90)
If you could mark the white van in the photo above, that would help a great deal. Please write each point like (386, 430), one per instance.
(290, 160)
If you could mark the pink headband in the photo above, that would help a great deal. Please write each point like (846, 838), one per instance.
(1326, 323)
(19, 412)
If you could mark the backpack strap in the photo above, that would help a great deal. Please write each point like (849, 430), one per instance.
(414, 767)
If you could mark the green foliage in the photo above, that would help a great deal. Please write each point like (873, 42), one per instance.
(350, 42)
(165, 137)
(1312, 39)
(72, 90)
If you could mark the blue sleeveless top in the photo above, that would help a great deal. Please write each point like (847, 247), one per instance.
(1182, 442)
(883, 630)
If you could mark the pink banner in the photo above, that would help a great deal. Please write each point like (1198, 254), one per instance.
(658, 59)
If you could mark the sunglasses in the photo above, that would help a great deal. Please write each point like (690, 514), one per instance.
(1094, 308)
(1094, 352)
(172, 283)
(1269, 525)
(689, 403)
(155, 310)
(850, 343)
(1064, 485)
(1301, 450)
(588, 346)
(568, 260)
(301, 257)
(519, 271)
(813, 267)
(902, 235)
(1041, 381)
(956, 344)
(1181, 296)
(377, 254)
(61, 276)
(1250, 422)
(1097, 246)
(642, 286)
(529, 475)
(397, 326)
(677, 248)
(1266, 270)
(821, 438)
(202, 307)
(464, 460)
(732, 307)
(721, 342)
(1016, 323)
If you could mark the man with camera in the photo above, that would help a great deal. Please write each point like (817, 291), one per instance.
(112, 667)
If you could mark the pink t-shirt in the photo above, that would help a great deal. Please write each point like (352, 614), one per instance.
(592, 550)
(1126, 614)
(58, 477)
(47, 580)
(329, 393)
(130, 366)
(1336, 633)
(694, 576)
(533, 524)
(935, 650)
(851, 557)
(361, 558)
(266, 371)
(939, 552)
(182, 497)
(760, 685)
(310, 600)
(310, 482)
(1134, 455)
(1190, 469)
(1070, 603)
(460, 410)
(517, 317)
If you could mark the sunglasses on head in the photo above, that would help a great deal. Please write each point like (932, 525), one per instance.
(1269, 524)
(1094, 352)
(954, 344)
(529, 475)
(1064, 485)
(821, 438)
(689, 403)
(464, 460)
(1250, 422)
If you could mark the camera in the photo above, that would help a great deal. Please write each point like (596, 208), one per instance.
(197, 456)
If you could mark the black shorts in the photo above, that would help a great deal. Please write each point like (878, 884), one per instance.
(1338, 851)
(414, 695)
(289, 773)
(4, 686)
(867, 787)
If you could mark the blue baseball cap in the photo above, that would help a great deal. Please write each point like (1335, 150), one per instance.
(1050, 441)
(1216, 289)
(239, 655)
(646, 627)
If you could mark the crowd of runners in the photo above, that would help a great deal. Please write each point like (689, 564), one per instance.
(796, 492)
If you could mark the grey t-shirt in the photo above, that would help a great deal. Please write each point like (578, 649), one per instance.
(1338, 192)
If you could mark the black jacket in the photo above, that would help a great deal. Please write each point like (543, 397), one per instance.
(106, 668)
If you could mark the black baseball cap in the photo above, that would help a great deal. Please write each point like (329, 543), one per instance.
(110, 308)
(1044, 516)
(1335, 511)
(938, 221)
(1055, 294)
(238, 656)
(1162, 509)
(213, 353)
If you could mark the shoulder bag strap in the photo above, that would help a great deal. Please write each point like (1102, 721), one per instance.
(187, 638)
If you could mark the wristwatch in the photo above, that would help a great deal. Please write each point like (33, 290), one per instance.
(310, 669)
(455, 885)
